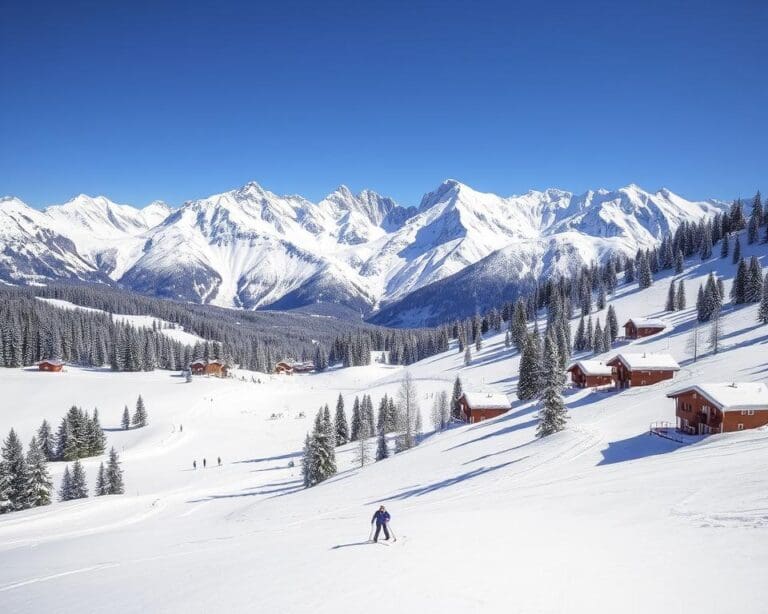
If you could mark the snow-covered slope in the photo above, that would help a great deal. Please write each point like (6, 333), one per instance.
(599, 518)
(252, 248)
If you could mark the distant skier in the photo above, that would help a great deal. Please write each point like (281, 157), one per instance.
(219, 459)
(381, 518)
(181, 428)
(194, 464)
(205, 463)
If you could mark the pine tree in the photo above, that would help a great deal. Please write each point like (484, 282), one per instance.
(126, 422)
(101, 482)
(65, 490)
(455, 394)
(39, 485)
(340, 423)
(753, 285)
(529, 376)
(140, 415)
(361, 455)
(79, 485)
(408, 405)
(753, 230)
(679, 262)
(762, 312)
(736, 250)
(680, 305)
(612, 323)
(671, 297)
(645, 277)
(114, 474)
(97, 442)
(724, 245)
(578, 342)
(552, 414)
(739, 288)
(382, 450)
(13, 468)
(467, 356)
(47, 441)
(598, 346)
(357, 420)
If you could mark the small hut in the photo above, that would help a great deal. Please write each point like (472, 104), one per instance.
(50, 364)
(479, 406)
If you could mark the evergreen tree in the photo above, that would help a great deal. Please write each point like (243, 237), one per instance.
(362, 455)
(578, 341)
(357, 420)
(739, 288)
(101, 482)
(552, 414)
(382, 450)
(126, 422)
(65, 490)
(753, 285)
(598, 341)
(47, 441)
(114, 474)
(724, 245)
(97, 442)
(736, 250)
(529, 376)
(680, 297)
(15, 473)
(629, 272)
(762, 312)
(679, 262)
(467, 356)
(645, 277)
(40, 484)
(340, 423)
(671, 297)
(140, 415)
(455, 394)
(408, 405)
(79, 485)
(612, 323)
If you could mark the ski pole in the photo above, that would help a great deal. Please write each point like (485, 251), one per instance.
(394, 537)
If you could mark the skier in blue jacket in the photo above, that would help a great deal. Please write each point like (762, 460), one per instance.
(381, 518)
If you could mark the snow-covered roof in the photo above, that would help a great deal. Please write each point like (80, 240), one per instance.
(592, 367)
(647, 362)
(487, 400)
(51, 361)
(207, 362)
(733, 396)
(647, 322)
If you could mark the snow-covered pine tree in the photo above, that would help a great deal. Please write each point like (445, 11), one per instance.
(629, 271)
(762, 312)
(114, 474)
(679, 262)
(101, 482)
(13, 466)
(467, 356)
(529, 376)
(725, 245)
(65, 490)
(126, 421)
(140, 415)
(589, 336)
(366, 412)
(736, 250)
(47, 441)
(408, 403)
(307, 462)
(340, 423)
(753, 230)
(671, 304)
(79, 484)
(739, 287)
(680, 296)
(753, 286)
(97, 442)
(455, 394)
(40, 484)
(357, 420)
(598, 339)
(612, 323)
(382, 449)
(361, 455)
(578, 341)
(645, 276)
(552, 413)
(328, 428)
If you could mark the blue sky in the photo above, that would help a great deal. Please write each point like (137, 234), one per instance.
(145, 100)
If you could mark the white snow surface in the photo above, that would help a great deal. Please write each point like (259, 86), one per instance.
(648, 361)
(486, 400)
(602, 517)
(648, 322)
(731, 396)
(593, 367)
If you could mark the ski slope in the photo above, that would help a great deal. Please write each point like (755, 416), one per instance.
(601, 517)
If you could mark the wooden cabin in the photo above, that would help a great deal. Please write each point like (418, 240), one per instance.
(642, 369)
(288, 367)
(216, 368)
(643, 327)
(50, 364)
(702, 409)
(479, 406)
(591, 373)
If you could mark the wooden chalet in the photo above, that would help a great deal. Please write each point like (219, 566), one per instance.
(643, 327)
(642, 369)
(50, 364)
(288, 367)
(702, 409)
(591, 373)
(479, 406)
(216, 368)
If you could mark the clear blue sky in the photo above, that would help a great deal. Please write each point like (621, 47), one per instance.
(143, 100)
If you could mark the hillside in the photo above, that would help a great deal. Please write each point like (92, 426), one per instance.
(253, 249)
(601, 517)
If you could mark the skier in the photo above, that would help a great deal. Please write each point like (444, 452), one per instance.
(219, 459)
(381, 518)
(205, 463)
(194, 464)
(181, 428)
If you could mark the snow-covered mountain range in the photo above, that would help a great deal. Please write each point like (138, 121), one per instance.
(459, 250)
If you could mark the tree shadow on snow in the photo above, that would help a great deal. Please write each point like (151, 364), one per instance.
(504, 431)
(273, 490)
(429, 488)
(267, 459)
(639, 446)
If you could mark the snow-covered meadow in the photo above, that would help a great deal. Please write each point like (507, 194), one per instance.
(602, 517)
